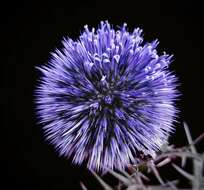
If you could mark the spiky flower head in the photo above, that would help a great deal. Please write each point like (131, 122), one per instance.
(106, 97)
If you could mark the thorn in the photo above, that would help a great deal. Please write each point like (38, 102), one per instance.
(83, 186)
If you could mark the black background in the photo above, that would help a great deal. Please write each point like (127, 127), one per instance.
(30, 30)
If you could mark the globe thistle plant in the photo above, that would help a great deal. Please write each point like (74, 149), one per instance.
(107, 97)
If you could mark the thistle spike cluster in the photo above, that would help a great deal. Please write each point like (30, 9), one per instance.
(107, 97)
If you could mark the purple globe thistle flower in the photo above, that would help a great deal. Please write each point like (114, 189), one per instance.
(107, 97)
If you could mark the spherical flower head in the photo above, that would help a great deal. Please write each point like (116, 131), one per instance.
(107, 97)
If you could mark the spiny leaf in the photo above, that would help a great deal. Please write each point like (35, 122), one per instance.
(181, 154)
(189, 138)
(103, 183)
(183, 161)
(126, 174)
(83, 186)
(156, 173)
(132, 187)
(172, 184)
(197, 164)
(184, 173)
(163, 162)
(143, 176)
(123, 179)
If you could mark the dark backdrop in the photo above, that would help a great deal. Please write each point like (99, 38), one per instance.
(30, 30)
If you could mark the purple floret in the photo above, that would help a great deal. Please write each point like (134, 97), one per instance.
(106, 97)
